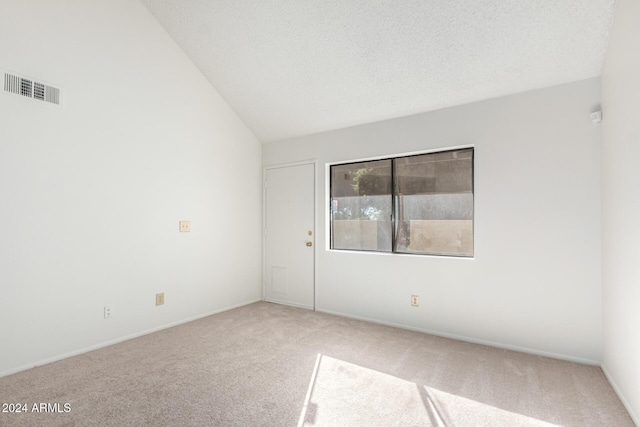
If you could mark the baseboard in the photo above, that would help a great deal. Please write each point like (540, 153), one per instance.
(276, 301)
(121, 339)
(632, 414)
(467, 339)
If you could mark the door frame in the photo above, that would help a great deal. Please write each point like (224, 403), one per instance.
(314, 163)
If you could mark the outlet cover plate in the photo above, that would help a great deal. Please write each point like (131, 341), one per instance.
(415, 301)
(185, 226)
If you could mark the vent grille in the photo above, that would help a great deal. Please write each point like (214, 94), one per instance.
(31, 89)
(38, 91)
(25, 87)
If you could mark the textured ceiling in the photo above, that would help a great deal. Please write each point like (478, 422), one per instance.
(296, 67)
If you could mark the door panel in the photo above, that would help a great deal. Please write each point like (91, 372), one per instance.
(290, 235)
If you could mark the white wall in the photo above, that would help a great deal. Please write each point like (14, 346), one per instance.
(91, 193)
(621, 204)
(535, 281)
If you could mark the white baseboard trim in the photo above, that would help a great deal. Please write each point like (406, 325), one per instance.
(467, 339)
(632, 414)
(276, 301)
(121, 339)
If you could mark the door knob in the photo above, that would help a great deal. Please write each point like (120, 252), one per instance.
(309, 244)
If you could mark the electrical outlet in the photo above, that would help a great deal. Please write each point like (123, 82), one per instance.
(108, 311)
(185, 226)
(160, 298)
(415, 301)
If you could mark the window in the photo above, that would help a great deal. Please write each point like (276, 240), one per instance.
(361, 206)
(421, 204)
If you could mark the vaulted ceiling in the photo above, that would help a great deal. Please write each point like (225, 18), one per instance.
(296, 67)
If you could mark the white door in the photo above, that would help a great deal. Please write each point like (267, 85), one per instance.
(290, 235)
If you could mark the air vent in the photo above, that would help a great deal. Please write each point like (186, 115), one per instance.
(31, 89)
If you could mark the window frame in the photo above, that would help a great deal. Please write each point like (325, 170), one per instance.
(394, 203)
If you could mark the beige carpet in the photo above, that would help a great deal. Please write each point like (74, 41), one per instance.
(271, 365)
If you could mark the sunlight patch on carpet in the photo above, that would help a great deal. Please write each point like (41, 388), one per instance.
(345, 394)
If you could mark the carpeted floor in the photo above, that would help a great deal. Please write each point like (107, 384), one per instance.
(271, 365)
